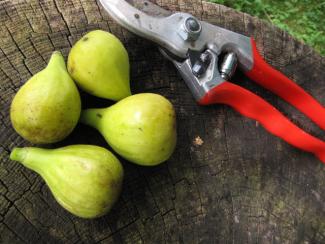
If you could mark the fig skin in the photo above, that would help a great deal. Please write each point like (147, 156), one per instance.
(86, 180)
(100, 66)
(47, 107)
(140, 128)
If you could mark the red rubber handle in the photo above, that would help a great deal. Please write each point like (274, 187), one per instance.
(254, 107)
(268, 77)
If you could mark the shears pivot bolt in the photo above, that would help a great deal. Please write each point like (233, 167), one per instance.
(191, 29)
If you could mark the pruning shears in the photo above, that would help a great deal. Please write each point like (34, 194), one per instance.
(207, 56)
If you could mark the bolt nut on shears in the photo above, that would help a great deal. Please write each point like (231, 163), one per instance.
(190, 30)
(201, 65)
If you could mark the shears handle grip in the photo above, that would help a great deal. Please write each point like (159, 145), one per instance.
(254, 107)
(273, 80)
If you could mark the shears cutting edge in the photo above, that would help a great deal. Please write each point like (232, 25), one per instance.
(207, 56)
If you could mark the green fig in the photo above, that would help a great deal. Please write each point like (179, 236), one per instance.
(47, 107)
(85, 180)
(141, 128)
(99, 64)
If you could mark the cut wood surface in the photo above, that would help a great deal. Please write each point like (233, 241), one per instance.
(229, 181)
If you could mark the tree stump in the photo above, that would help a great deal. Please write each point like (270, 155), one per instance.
(229, 181)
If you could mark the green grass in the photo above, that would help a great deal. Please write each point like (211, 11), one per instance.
(303, 19)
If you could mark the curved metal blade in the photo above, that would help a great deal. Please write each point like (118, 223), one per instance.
(129, 17)
(155, 27)
(149, 8)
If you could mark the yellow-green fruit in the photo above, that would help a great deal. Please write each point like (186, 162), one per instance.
(99, 64)
(86, 180)
(141, 128)
(47, 107)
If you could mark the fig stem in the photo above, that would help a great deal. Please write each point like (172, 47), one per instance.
(57, 60)
(92, 117)
(18, 154)
(30, 157)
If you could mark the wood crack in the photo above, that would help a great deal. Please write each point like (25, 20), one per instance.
(13, 231)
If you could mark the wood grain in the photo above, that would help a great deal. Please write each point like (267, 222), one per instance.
(242, 185)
